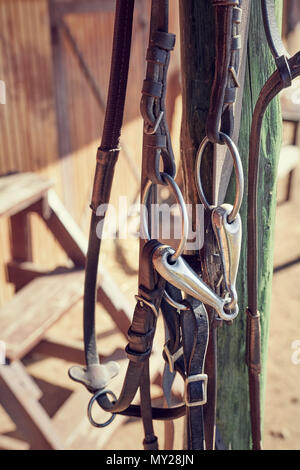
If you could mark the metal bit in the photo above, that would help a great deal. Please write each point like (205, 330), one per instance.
(182, 276)
(229, 236)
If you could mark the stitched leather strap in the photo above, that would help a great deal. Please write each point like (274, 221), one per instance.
(195, 331)
(223, 94)
(157, 142)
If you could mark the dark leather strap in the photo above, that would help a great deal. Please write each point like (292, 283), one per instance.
(106, 159)
(157, 142)
(277, 48)
(195, 331)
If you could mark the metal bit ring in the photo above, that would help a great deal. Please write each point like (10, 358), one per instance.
(184, 216)
(239, 176)
(90, 406)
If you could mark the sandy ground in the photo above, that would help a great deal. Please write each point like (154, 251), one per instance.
(282, 408)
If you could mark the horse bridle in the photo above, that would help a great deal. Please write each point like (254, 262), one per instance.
(164, 272)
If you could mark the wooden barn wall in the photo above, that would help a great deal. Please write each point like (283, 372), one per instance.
(28, 120)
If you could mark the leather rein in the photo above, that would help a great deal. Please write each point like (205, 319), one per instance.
(165, 273)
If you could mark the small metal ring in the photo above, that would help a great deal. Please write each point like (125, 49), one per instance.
(90, 406)
(184, 216)
(239, 176)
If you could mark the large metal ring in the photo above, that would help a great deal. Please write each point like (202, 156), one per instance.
(184, 216)
(90, 406)
(239, 176)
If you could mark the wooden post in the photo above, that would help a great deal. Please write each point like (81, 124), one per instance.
(197, 56)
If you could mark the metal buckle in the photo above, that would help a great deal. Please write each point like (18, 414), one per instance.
(152, 129)
(196, 378)
(172, 358)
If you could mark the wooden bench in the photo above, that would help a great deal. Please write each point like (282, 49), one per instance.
(23, 323)
(24, 193)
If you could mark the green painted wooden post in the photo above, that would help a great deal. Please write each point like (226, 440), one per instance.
(197, 51)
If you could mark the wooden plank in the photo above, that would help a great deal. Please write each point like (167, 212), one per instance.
(21, 274)
(62, 111)
(34, 309)
(64, 228)
(288, 160)
(26, 412)
(20, 241)
(20, 190)
(64, 7)
(6, 289)
(70, 237)
(71, 351)
(25, 381)
(20, 237)
(12, 77)
(114, 301)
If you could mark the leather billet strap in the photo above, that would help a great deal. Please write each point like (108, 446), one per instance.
(228, 16)
(272, 87)
(157, 142)
(195, 334)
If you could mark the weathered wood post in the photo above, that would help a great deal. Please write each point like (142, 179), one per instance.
(197, 56)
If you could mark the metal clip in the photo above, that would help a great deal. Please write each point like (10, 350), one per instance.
(182, 276)
(229, 236)
(152, 128)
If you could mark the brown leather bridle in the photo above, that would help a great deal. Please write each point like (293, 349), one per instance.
(188, 344)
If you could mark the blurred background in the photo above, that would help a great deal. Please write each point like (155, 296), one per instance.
(54, 68)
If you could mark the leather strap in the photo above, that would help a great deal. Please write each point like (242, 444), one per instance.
(273, 36)
(223, 94)
(195, 331)
(157, 141)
